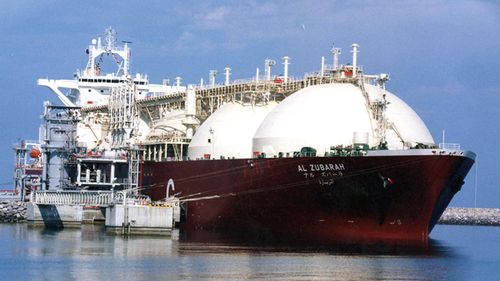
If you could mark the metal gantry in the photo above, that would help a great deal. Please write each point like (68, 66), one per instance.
(123, 114)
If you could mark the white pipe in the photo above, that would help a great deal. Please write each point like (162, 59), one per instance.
(190, 107)
(322, 71)
(98, 175)
(112, 175)
(286, 62)
(227, 73)
(79, 173)
(267, 70)
(257, 75)
(354, 59)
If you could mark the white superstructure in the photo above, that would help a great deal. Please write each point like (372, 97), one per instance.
(93, 87)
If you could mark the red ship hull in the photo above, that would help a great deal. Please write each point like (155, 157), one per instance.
(326, 200)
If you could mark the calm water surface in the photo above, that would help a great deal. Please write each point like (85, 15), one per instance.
(456, 253)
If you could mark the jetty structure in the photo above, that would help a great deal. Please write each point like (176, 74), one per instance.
(332, 150)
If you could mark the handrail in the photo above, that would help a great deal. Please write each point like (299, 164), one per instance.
(450, 146)
(85, 198)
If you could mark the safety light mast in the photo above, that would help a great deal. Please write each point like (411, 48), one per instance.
(212, 74)
(286, 62)
(354, 52)
(268, 63)
(227, 73)
(335, 53)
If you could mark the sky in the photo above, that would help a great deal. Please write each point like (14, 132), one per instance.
(443, 57)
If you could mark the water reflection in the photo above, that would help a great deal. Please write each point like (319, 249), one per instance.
(92, 240)
(89, 254)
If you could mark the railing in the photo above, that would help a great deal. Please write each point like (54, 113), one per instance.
(86, 198)
(450, 146)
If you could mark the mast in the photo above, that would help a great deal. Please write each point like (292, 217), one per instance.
(121, 55)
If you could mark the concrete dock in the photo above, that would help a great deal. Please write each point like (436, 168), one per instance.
(121, 212)
(60, 216)
(137, 219)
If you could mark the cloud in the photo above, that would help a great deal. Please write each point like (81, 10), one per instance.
(192, 42)
(231, 27)
(214, 19)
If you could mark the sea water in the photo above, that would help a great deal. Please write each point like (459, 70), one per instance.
(88, 253)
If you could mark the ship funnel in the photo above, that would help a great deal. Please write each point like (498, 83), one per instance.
(354, 52)
(178, 81)
(286, 62)
(227, 73)
(257, 75)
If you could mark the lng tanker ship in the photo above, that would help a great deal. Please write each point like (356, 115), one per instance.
(315, 176)
(330, 157)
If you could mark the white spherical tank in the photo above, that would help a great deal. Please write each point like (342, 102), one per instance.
(318, 116)
(228, 131)
(329, 115)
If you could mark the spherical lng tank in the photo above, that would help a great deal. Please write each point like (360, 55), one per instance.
(228, 131)
(329, 115)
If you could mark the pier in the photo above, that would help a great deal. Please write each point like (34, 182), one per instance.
(122, 212)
